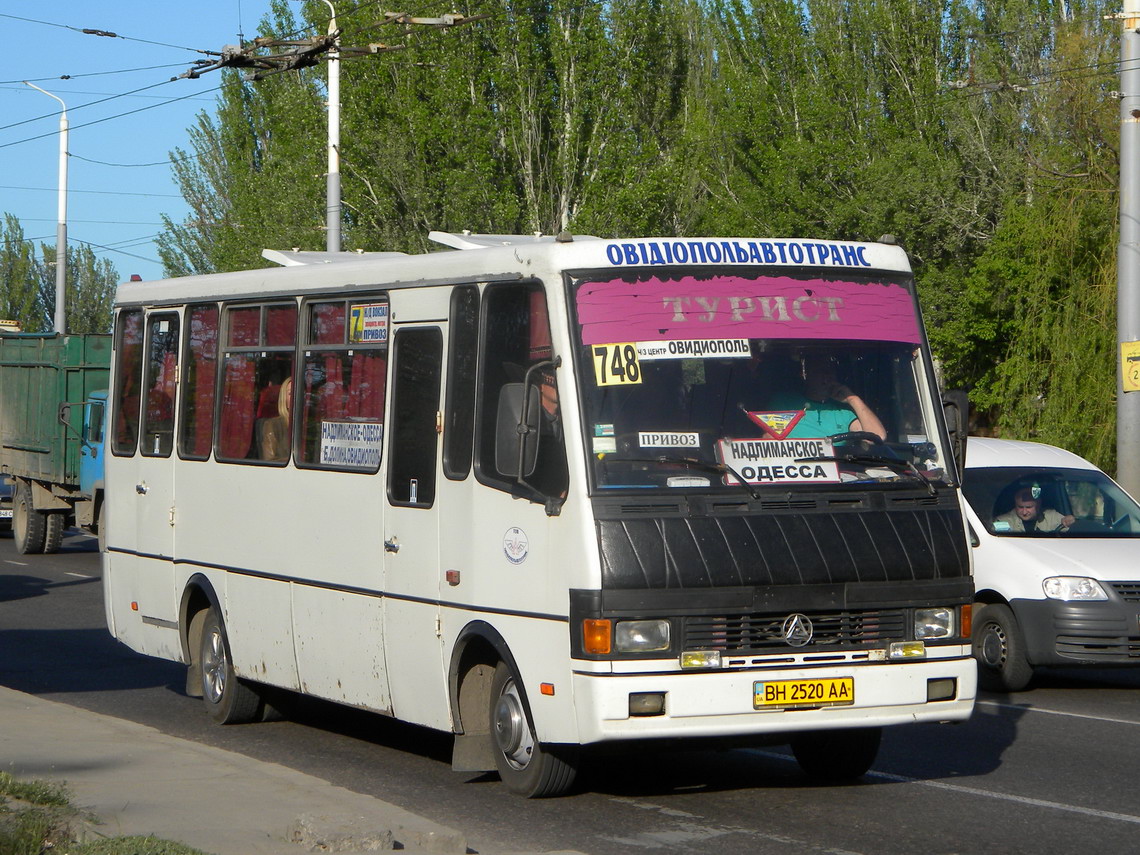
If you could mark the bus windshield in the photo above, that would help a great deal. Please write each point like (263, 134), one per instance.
(708, 380)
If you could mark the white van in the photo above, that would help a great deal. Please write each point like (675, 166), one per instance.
(1056, 562)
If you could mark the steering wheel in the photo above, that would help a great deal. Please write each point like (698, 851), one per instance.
(856, 436)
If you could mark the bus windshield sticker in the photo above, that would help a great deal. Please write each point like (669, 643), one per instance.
(604, 445)
(689, 348)
(352, 444)
(770, 461)
(368, 323)
(661, 439)
(779, 424)
(616, 365)
(732, 307)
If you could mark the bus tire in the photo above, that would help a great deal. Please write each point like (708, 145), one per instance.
(526, 766)
(999, 647)
(53, 532)
(837, 755)
(28, 524)
(228, 698)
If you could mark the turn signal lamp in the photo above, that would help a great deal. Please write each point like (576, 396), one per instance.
(967, 621)
(596, 635)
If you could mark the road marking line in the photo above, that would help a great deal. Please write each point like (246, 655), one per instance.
(79, 575)
(1027, 708)
(975, 791)
(17, 563)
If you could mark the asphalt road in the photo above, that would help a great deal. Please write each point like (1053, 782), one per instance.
(1055, 769)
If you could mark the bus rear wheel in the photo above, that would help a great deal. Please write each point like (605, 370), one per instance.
(837, 755)
(29, 527)
(526, 766)
(229, 700)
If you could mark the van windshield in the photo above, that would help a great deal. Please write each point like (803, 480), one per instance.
(721, 381)
(1046, 502)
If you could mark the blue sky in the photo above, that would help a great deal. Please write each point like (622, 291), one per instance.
(116, 208)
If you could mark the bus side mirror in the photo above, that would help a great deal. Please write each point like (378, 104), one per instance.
(956, 409)
(516, 435)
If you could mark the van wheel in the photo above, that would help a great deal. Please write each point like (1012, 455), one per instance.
(28, 524)
(999, 647)
(837, 755)
(229, 699)
(53, 532)
(525, 766)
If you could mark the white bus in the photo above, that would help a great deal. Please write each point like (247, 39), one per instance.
(544, 493)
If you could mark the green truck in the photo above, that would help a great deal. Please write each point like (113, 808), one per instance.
(52, 404)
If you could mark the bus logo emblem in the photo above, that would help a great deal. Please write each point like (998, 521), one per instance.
(515, 545)
(797, 630)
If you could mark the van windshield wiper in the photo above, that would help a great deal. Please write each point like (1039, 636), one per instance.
(890, 462)
(692, 463)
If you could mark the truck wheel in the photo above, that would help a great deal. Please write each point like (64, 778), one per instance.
(999, 647)
(229, 699)
(526, 766)
(28, 524)
(837, 755)
(53, 532)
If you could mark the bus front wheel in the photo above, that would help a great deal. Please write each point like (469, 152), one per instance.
(228, 699)
(837, 755)
(526, 766)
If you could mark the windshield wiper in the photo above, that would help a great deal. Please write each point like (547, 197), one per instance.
(692, 463)
(890, 462)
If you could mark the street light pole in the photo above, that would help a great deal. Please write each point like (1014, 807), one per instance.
(332, 184)
(1128, 256)
(61, 224)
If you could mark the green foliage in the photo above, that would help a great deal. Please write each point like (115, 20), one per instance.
(981, 135)
(27, 284)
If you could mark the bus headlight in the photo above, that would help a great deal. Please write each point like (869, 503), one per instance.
(1073, 588)
(933, 623)
(640, 636)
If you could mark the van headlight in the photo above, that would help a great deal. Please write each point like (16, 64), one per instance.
(1073, 588)
(640, 636)
(933, 623)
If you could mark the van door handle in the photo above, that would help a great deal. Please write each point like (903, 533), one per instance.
(391, 545)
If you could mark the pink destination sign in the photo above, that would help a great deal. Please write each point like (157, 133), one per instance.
(734, 307)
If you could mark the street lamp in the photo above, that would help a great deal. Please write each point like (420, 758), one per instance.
(61, 224)
(332, 182)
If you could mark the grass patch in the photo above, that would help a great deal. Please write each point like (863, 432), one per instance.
(37, 818)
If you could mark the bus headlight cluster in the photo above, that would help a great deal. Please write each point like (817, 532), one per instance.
(641, 636)
(1073, 588)
(933, 623)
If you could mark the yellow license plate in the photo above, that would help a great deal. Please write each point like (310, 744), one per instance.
(830, 692)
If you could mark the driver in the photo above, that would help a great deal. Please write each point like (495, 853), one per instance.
(1028, 516)
(829, 407)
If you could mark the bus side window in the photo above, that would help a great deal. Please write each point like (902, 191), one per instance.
(415, 402)
(516, 337)
(128, 381)
(160, 383)
(459, 419)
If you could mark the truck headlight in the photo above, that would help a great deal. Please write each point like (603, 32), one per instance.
(933, 623)
(1073, 588)
(640, 636)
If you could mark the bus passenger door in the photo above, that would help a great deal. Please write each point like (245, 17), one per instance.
(412, 528)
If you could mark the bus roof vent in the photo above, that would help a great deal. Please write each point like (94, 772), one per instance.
(298, 258)
(467, 240)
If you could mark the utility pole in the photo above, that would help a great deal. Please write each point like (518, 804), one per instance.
(1128, 256)
(61, 224)
(332, 183)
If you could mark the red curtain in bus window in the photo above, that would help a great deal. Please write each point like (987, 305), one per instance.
(281, 326)
(539, 327)
(366, 392)
(245, 327)
(129, 381)
(204, 373)
(236, 434)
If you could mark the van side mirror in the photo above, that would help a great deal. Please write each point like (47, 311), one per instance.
(516, 433)
(956, 410)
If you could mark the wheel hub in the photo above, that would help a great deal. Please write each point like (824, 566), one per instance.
(993, 646)
(512, 733)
